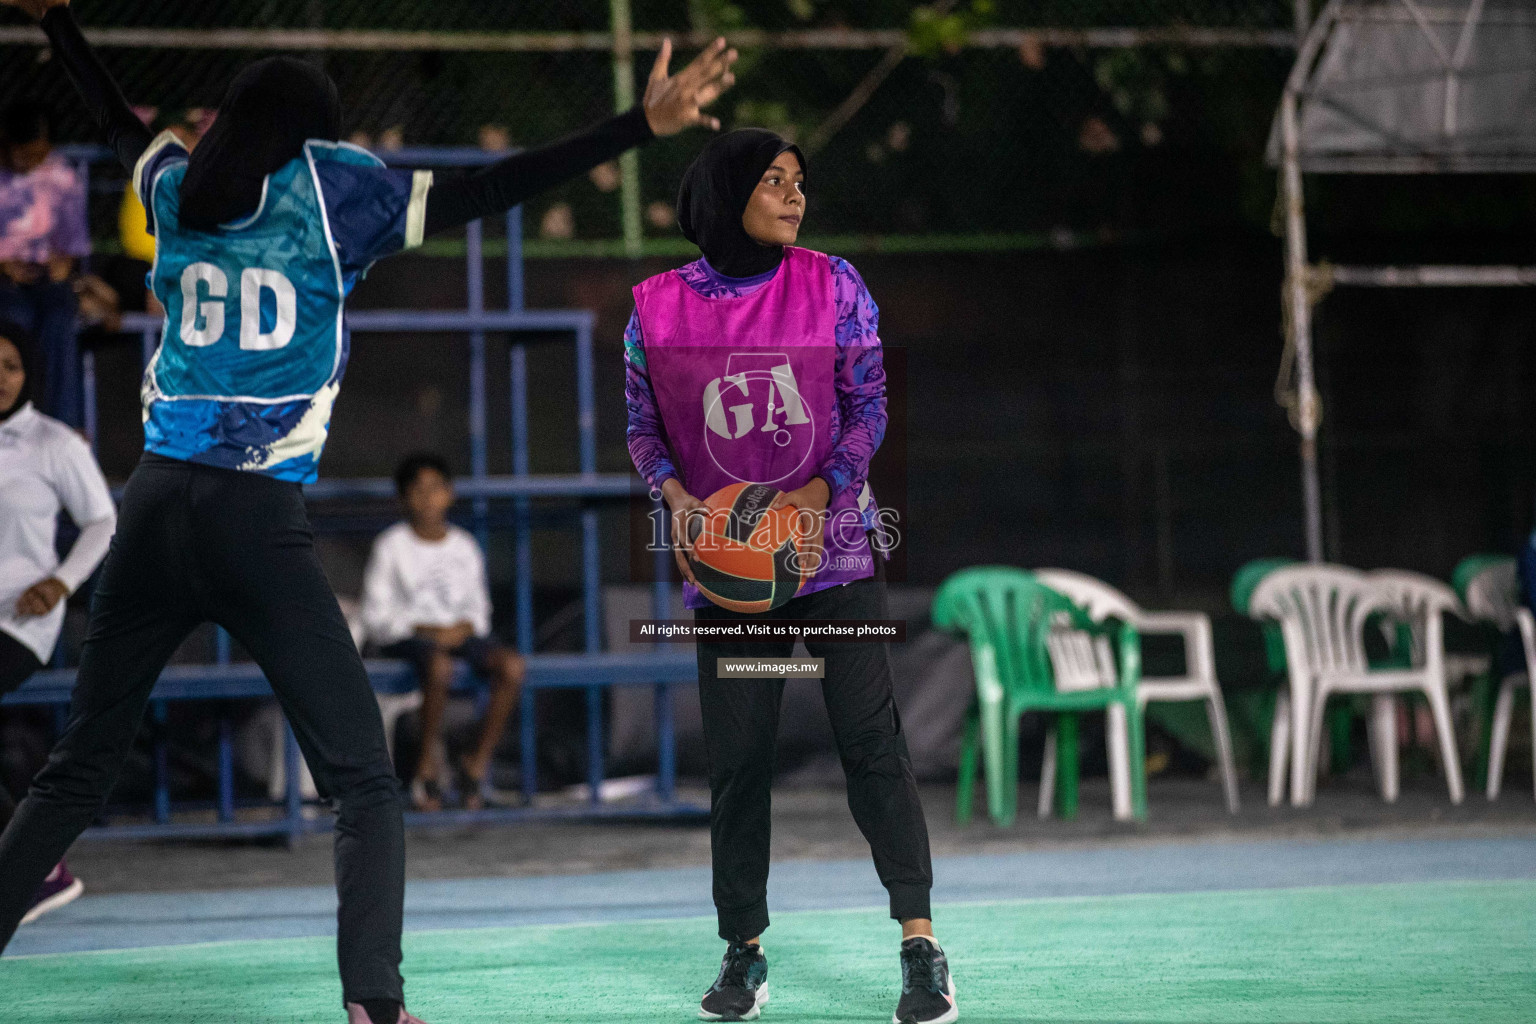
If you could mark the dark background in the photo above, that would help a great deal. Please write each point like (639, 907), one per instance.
(1079, 282)
(1108, 409)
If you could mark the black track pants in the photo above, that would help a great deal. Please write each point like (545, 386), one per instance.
(741, 721)
(17, 665)
(198, 544)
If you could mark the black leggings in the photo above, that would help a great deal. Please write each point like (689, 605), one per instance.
(199, 544)
(741, 723)
(17, 665)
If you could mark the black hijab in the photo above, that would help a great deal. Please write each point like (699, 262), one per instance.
(716, 188)
(271, 108)
(24, 345)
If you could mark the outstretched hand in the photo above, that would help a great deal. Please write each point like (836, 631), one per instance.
(675, 102)
(36, 8)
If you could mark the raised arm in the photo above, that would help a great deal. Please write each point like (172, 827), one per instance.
(671, 103)
(116, 121)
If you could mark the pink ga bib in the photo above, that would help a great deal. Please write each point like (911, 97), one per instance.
(746, 392)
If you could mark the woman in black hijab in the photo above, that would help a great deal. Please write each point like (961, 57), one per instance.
(714, 196)
(237, 406)
(271, 109)
(45, 469)
(760, 364)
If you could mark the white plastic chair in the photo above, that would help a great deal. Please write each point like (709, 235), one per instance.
(1504, 707)
(1198, 682)
(1493, 596)
(1421, 602)
(1083, 662)
(1279, 598)
(1323, 611)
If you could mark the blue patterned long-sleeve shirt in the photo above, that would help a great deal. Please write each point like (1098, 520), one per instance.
(858, 420)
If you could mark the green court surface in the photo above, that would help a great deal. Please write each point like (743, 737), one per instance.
(1434, 952)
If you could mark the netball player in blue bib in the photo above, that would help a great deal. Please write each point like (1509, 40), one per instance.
(261, 232)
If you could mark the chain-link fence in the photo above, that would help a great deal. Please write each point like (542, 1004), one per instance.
(985, 122)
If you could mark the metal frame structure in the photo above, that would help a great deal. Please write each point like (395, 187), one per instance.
(1305, 283)
(592, 671)
(621, 42)
(375, 40)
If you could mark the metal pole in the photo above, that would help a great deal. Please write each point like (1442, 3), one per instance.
(474, 238)
(666, 745)
(815, 39)
(623, 99)
(661, 608)
(515, 260)
(522, 565)
(226, 770)
(162, 764)
(591, 582)
(1299, 323)
(522, 550)
(293, 800)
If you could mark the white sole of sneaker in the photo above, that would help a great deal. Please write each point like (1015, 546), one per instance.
(752, 1014)
(948, 1017)
(54, 902)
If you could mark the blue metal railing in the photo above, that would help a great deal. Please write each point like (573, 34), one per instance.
(593, 672)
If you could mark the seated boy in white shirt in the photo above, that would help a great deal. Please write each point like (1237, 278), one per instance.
(426, 601)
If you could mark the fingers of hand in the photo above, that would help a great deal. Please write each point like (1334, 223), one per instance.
(663, 58)
(707, 65)
(722, 67)
(711, 53)
(711, 69)
(685, 569)
(680, 529)
(711, 92)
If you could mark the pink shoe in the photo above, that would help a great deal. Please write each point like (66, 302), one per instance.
(357, 1015)
(59, 888)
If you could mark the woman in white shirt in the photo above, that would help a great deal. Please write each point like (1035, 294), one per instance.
(426, 601)
(44, 467)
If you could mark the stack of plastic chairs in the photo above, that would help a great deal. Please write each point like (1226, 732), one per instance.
(1490, 587)
(1323, 612)
(1033, 649)
(1198, 682)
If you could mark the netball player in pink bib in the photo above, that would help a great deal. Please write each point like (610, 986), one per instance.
(760, 363)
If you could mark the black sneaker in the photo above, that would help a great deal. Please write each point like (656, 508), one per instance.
(927, 990)
(742, 987)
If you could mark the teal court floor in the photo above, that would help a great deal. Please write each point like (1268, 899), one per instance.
(1347, 931)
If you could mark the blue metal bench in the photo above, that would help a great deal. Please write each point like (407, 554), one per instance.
(243, 680)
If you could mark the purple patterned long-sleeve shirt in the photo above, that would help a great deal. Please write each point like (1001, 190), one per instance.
(42, 213)
(858, 421)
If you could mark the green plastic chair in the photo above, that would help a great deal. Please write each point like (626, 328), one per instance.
(1489, 587)
(1008, 617)
(1469, 569)
(1248, 577)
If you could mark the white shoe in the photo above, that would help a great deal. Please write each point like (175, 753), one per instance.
(59, 888)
